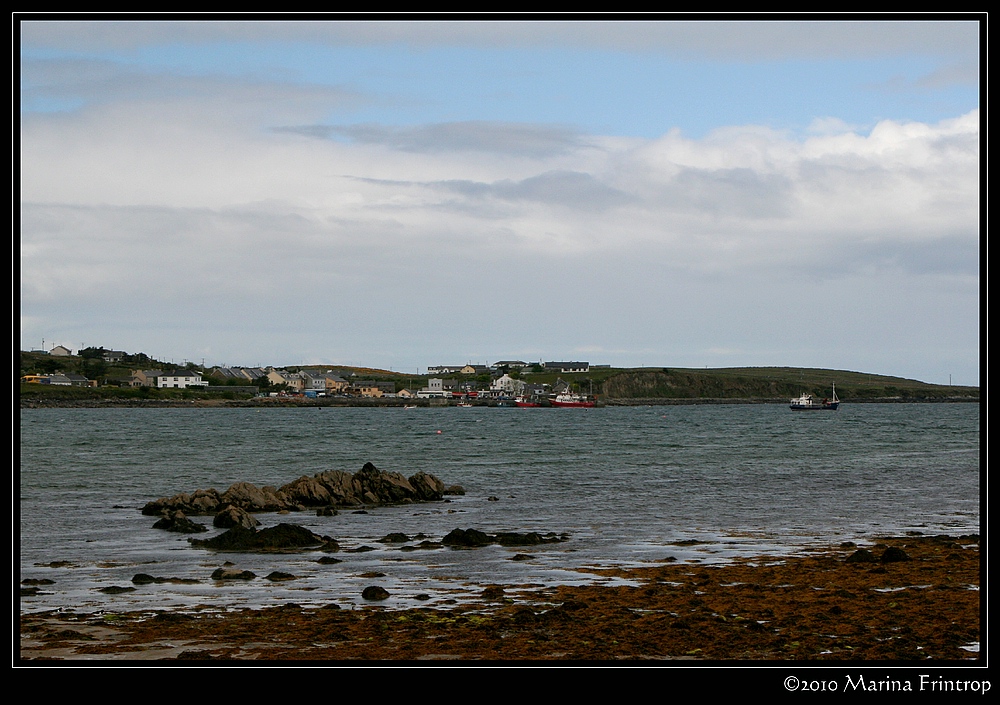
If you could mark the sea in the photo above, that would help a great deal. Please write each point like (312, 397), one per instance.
(624, 487)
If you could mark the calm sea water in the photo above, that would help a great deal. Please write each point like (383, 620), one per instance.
(626, 484)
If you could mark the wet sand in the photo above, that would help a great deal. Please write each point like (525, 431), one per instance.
(813, 608)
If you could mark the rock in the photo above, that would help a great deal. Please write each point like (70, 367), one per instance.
(395, 537)
(333, 488)
(466, 538)
(894, 555)
(862, 555)
(282, 537)
(232, 516)
(493, 592)
(382, 487)
(427, 487)
(146, 579)
(454, 490)
(514, 539)
(254, 499)
(232, 574)
(201, 502)
(177, 521)
(279, 576)
(375, 592)
(474, 538)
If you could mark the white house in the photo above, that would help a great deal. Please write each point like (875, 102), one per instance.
(180, 379)
(434, 389)
(507, 385)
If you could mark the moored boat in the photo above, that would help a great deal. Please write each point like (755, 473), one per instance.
(526, 402)
(569, 399)
(805, 402)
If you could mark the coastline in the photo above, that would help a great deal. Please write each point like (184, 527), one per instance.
(915, 599)
(37, 403)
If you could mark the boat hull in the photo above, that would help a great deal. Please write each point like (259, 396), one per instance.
(572, 404)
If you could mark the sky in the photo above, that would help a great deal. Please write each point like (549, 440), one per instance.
(403, 194)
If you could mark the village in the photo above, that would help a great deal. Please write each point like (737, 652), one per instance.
(498, 382)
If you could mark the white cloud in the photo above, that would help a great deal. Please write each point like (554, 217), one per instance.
(151, 203)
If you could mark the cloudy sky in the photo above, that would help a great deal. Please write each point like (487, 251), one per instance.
(404, 194)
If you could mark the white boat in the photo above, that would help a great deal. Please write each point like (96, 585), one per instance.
(805, 402)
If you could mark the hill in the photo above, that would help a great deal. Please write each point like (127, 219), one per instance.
(772, 384)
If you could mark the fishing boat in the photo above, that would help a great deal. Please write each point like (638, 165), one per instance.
(807, 403)
(526, 401)
(569, 399)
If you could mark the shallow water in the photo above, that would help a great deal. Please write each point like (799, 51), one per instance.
(626, 484)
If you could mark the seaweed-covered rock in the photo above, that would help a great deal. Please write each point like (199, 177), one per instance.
(473, 538)
(279, 576)
(283, 537)
(894, 554)
(531, 538)
(232, 574)
(467, 538)
(178, 521)
(375, 592)
(862, 555)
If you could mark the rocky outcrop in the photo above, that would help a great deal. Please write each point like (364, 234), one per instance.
(333, 488)
(283, 537)
(427, 487)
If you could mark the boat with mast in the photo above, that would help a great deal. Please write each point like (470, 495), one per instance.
(570, 399)
(805, 402)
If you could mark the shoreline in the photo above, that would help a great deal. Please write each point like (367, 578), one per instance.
(916, 599)
(421, 403)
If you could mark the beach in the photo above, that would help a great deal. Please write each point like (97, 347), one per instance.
(915, 599)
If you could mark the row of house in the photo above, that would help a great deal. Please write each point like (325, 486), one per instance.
(60, 380)
(562, 367)
(500, 387)
(171, 379)
(308, 381)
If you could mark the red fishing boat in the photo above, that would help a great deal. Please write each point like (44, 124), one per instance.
(569, 399)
